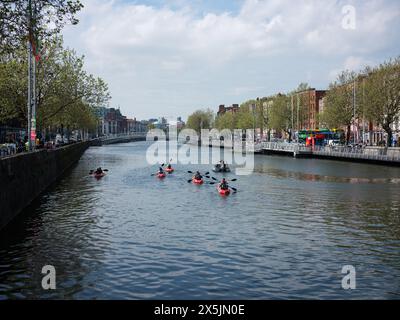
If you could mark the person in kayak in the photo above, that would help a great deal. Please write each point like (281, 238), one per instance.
(198, 176)
(224, 185)
(160, 170)
(169, 167)
(99, 170)
(223, 165)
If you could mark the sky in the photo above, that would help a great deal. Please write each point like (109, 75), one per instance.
(171, 57)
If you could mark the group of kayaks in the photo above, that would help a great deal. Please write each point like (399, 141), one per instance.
(197, 179)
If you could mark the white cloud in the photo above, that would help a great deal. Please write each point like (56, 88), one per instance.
(191, 60)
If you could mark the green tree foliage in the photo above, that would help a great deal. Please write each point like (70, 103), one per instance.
(13, 91)
(200, 119)
(339, 107)
(15, 24)
(382, 95)
(281, 114)
(66, 94)
(246, 117)
(225, 121)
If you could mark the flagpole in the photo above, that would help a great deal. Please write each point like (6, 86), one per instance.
(29, 43)
(29, 94)
(33, 119)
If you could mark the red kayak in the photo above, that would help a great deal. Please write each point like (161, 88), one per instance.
(223, 192)
(161, 175)
(99, 175)
(195, 181)
(169, 170)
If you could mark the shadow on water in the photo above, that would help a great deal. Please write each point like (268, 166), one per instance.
(286, 234)
(40, 235)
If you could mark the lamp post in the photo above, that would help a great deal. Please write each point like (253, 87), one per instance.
(354, 112)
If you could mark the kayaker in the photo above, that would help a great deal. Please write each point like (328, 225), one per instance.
(223, 165)
(160, 170)
(169, 167)
(198, 176)
(224, 185)
(98, 171)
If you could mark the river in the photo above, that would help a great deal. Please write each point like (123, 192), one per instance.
(286, 233)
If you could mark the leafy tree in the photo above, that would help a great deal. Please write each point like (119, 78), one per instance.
(226, 121)
(200, 119)
(33, 17)
(66, 94)
(303, 86)
(13, 91)
(339, 108)
(382, 89)
(246, 117)
(281, 115)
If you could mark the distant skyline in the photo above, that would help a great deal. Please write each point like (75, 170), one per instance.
(169, 58)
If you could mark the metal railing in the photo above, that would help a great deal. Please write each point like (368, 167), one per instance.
(123, 135)
(366, 153)
(284, 147)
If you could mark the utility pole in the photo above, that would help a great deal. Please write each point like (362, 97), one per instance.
(363, 121)
(31, 84)
(292, 129)
(298, 107)
(29, 94)
(354, 111)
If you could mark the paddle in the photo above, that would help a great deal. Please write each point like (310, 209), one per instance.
(205, 174)
(92, 171)
(225, 179)
(234, 189)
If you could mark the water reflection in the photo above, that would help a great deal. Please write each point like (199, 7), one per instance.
(286, 234)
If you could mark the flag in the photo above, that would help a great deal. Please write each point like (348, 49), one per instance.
(33, 36)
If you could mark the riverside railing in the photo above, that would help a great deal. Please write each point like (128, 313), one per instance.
(365, 153)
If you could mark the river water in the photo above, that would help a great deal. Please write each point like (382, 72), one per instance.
(286, 233)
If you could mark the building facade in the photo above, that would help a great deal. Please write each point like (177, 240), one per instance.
(307, 105)
(222, 109)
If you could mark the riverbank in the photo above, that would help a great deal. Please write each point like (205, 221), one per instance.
(118, 139)
(25, 176)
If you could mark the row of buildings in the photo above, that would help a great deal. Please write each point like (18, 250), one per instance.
(113, 122)
(307, 105)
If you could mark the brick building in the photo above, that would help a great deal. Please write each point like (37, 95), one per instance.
(222, 109)
(307, 105)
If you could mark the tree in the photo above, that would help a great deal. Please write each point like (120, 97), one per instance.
(66, 94)
(339, 108)
(246, 117)
(200, 119)
(382, 89)
(226, 121)
(13, 88)
(303, 86)
(281, 114)
(18, 19)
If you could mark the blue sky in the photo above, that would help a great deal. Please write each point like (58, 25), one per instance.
(171, 57)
